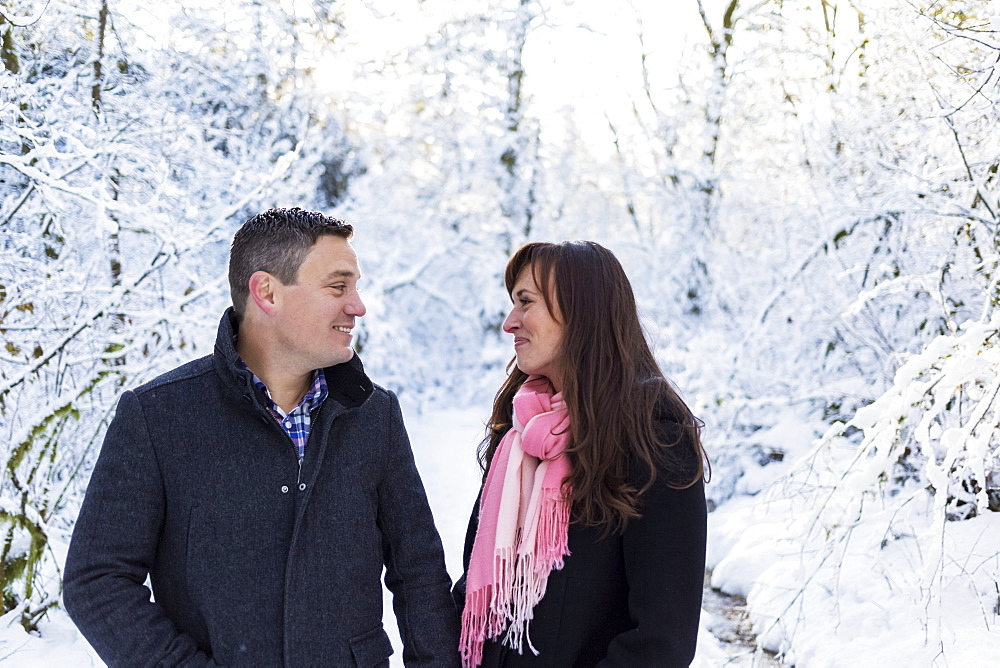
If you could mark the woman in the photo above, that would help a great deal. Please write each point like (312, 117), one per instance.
(587, 545)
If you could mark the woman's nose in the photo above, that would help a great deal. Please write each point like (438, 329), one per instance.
(510, 323)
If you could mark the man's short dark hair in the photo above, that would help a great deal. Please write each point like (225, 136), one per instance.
(277, 242)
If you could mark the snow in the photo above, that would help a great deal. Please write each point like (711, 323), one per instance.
(854, 605)
(806, 231)
(860, 609)
(58, 646)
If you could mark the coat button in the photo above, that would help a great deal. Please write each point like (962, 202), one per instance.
(284, 489)
(302, 486)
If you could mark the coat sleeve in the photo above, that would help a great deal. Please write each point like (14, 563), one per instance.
(414, 559)
(664, 553)
(112, 550)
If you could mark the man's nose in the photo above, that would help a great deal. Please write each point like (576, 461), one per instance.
(357, 307)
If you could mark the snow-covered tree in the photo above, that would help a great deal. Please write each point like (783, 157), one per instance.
(128, 154)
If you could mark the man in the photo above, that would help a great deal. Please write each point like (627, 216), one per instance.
(262, 488)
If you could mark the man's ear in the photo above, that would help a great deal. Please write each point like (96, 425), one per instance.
(263, 291)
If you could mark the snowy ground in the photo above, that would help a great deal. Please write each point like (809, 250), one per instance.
(868, 618)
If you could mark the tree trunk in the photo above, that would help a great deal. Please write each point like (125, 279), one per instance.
(102, 26)
(8, 54)
(518, 206)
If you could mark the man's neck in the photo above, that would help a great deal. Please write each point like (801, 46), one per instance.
(285, 385)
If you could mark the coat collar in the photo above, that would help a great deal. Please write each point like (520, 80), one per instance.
(347, 382)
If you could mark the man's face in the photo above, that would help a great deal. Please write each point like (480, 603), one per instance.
(315, 316)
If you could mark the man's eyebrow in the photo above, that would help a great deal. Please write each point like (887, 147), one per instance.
(342, 273)
(523, 291)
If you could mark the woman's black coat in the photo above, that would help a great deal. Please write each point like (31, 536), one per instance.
(631, 599)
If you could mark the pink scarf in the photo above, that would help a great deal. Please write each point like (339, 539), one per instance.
(523, 523)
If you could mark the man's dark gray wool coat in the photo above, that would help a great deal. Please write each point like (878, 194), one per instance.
(254, 558)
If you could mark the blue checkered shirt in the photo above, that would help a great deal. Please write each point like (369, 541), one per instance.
(296, 423)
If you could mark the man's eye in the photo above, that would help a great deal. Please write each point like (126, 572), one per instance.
(524, 302)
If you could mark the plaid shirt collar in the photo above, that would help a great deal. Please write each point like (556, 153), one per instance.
(297, 422)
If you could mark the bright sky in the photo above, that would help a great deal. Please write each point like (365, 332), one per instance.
(589, 56)
(583, 54)
(593, 48)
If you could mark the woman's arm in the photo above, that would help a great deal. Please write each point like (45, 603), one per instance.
(664, 554)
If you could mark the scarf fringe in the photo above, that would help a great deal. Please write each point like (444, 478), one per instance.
(520, 584)
(474, 626)
(553, 539)
(504, 579)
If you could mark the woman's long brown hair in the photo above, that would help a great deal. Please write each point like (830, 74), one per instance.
(613, 388)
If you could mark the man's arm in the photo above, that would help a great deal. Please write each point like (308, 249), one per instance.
(415, 569)
(112, 550)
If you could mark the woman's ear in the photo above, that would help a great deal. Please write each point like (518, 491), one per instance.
(263, 291)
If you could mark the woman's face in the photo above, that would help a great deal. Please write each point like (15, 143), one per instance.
(537, 333)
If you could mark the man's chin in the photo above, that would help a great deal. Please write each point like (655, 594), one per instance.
(339, 357)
